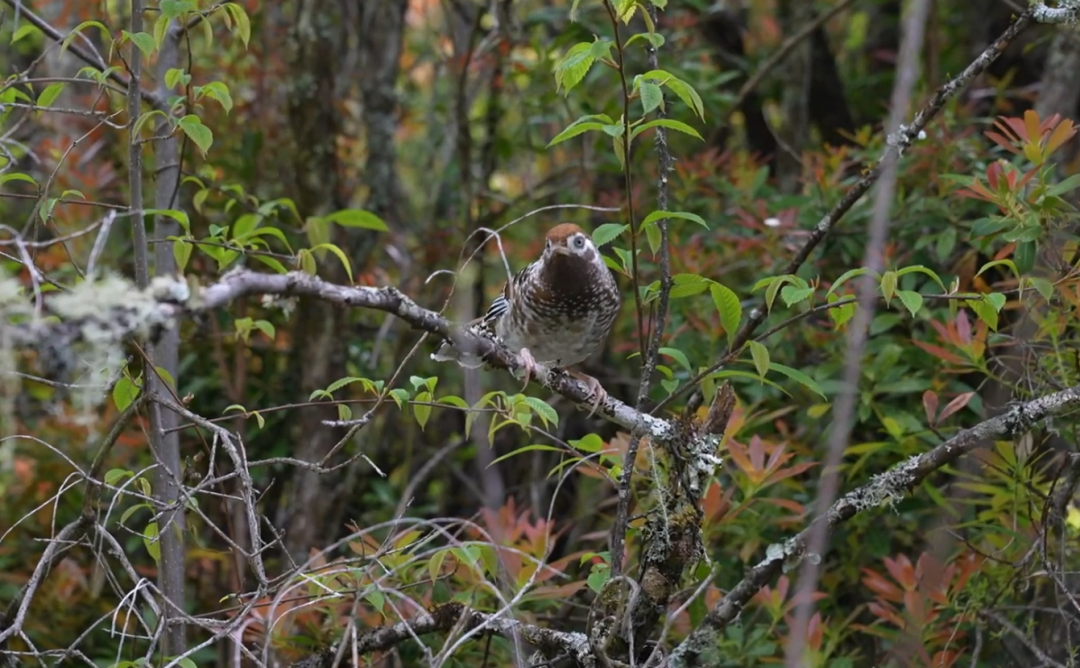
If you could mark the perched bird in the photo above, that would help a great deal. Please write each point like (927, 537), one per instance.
(556, 311)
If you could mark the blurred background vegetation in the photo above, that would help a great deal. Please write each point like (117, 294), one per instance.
(435, 115)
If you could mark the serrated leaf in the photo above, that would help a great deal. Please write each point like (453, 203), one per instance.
(607, 233)
(548, 415)
(652, 98)
(911, 300)
(793, 295)
(760, 354)
(687, 94)
(730, 309)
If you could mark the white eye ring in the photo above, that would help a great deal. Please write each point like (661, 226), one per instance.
(579, 242)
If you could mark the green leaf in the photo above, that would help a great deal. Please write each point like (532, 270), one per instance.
(421, 410)
(1066, 185)
(997, 263)
(798, 377)
(113, 476)
(730, 309)
(575, 130)
(888, 285)
(677, 355)
(182, 249)
(547, 414)
(1043, 286)
(591, 443)
(607, 233)
(17, 176)
(687, 94)
(793, 295)
(124, 393)
(573, 67)
(216, 90)
(49, 94)
(243, 23)
(153, 547)
(24, 30)
(651, 98)
(996, 299)
(357, 218)
(106, 36)
(340, 254)
(654, 237)
(669, 123)
(657, 216)
(760, 355)
(271, 262)
(911, 299)
(840, 314)
(144, 41)
(985, 312)
(143, 119)
(200, 134)
(175, 214)
(687, 285)
(918, 268)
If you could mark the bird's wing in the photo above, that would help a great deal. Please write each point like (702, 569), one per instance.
(501, 304)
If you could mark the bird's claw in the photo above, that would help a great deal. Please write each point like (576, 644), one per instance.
(528, 363)
(596, 391)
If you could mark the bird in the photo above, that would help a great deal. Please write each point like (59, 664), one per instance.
(555, 311)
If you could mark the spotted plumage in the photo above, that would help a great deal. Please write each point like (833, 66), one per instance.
(556, 311)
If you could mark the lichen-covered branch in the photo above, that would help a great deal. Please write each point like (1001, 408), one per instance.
(884, 489)
(113, 310)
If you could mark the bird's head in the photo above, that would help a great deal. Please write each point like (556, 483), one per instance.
(569, 240)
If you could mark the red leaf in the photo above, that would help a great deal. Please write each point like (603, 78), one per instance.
(941, 353)
(956, 404)
(930, 405)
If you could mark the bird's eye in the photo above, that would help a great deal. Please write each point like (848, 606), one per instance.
(579, 242)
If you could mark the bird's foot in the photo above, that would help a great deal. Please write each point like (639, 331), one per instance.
(596, 390)
(529, 364)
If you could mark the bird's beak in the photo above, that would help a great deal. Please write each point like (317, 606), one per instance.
(561, 250)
